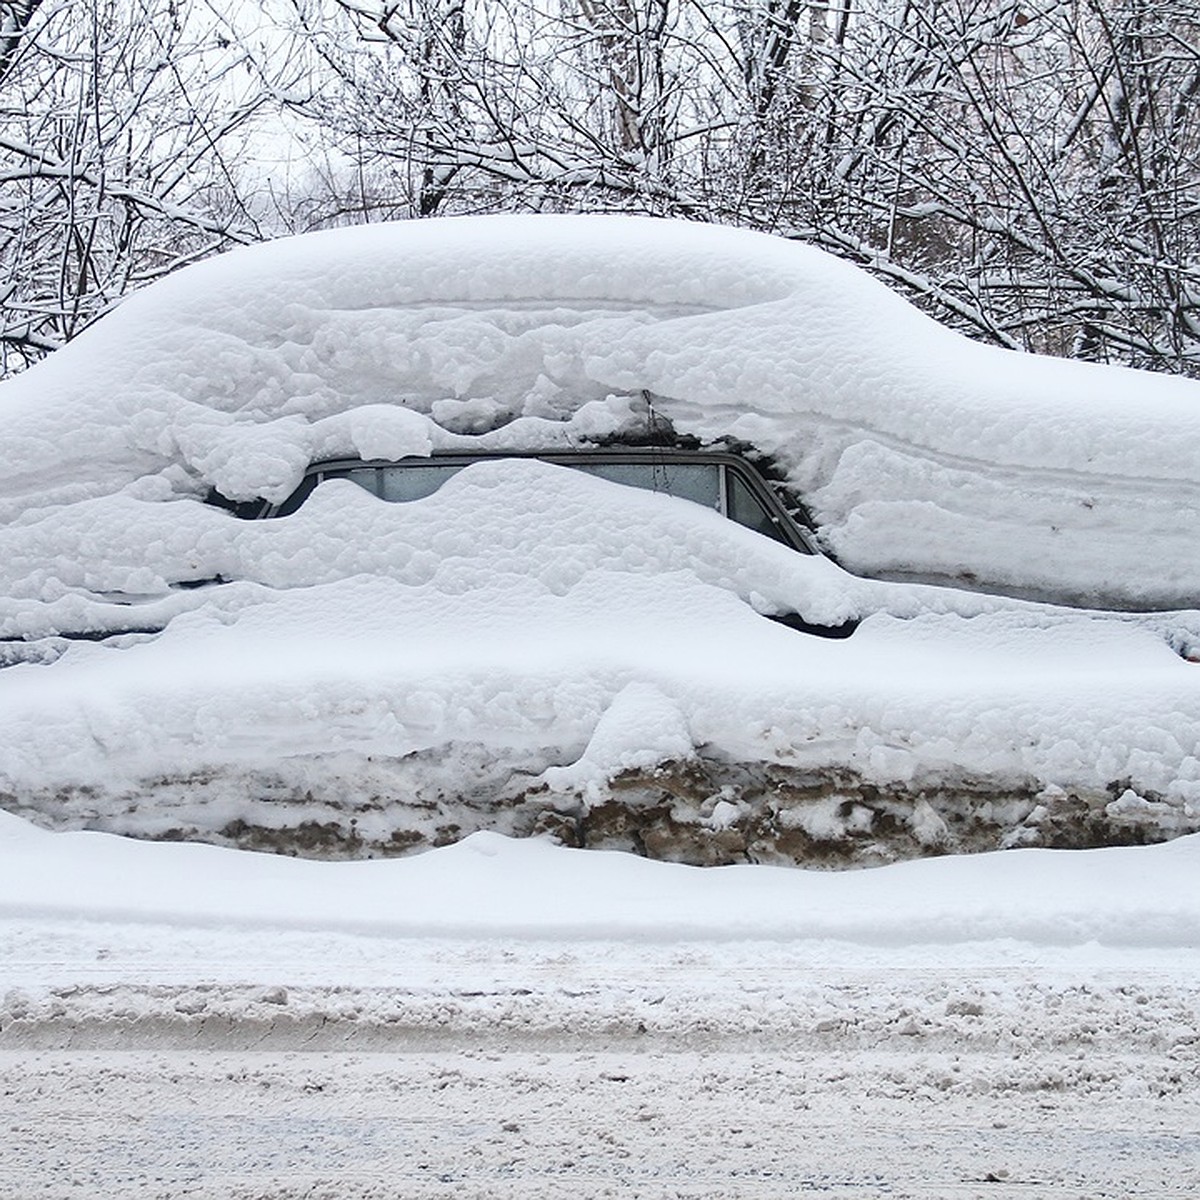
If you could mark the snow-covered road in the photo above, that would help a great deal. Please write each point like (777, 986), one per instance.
(660, 1116)
(523, 1068)
(512, 1019)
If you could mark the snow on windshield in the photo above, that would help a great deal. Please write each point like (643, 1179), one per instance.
(526, 636)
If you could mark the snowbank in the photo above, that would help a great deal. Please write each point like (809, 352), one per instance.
(532, 650)
(489, 886)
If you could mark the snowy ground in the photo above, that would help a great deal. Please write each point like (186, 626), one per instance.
(850, 1083)
(514, 1019)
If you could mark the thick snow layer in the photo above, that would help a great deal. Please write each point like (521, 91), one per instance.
(918, 451)
(489, 885)
(503, 651)
(529, 619)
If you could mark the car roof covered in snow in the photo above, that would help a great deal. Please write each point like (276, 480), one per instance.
(919, 453)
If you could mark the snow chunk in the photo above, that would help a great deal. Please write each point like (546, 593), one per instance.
(373, 431)
(640, 729)
(929, 828)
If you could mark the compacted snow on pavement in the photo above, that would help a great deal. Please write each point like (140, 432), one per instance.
(512, 1018)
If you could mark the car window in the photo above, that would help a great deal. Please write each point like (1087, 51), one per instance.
(397, 484)
(723, 485)
(698, 482)
(744, 508)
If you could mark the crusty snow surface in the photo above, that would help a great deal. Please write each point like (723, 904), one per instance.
(495, 655)
(511, 1018)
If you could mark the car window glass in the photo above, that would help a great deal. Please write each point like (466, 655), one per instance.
(365, 477)
(716, 485)
(414, 482)
(699, 482)
(745, 508)
(399, 483)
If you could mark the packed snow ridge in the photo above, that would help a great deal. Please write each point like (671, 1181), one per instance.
(529, 649)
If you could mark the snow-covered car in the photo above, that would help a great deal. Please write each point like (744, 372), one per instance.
(533, 648)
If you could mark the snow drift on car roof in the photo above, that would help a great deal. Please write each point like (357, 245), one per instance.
(919, 453)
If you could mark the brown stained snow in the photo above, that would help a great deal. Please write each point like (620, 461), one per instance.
(701, 811)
